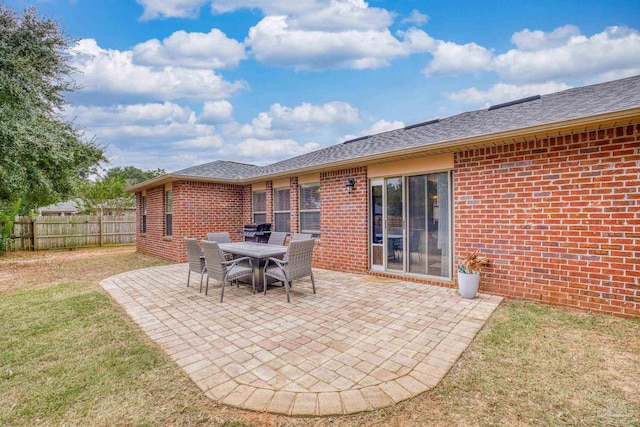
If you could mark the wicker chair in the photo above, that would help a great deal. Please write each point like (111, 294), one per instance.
(222, 270)
(295, 265)
(301, 236)
(219, 237)
(277, 238)
(196, 259)
(223, 237)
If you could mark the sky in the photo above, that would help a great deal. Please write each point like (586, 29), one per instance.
(176, 83)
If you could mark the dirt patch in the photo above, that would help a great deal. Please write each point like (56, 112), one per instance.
(36, 270)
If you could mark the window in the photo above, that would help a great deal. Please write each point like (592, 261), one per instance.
(282, 209)
(143, 214)
(310, 209)
(168, 213)
(260, 207)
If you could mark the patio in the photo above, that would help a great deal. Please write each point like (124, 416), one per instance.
(357, 345)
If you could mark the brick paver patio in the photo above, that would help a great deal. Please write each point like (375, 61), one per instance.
(355, 346)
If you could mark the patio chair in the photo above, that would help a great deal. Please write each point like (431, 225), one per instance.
(219, 237)
(301, 236)
(296, 264)
(222, 270)
(277, 238)
(223, 237)
(196, 259)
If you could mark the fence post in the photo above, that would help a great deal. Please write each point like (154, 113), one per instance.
(101, 224)
(34, 224)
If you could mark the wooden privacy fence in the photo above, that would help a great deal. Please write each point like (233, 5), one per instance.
(52, 232)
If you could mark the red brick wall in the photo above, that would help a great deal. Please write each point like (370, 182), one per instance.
(198, 208)
(559, 218)
(343, 244)
(153, 242)
(293, 199)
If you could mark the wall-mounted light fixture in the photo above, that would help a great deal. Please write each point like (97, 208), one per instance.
(351, 183)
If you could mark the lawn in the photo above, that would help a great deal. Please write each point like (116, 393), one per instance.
(70, 356)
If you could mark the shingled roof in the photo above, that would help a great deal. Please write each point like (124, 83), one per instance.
(530, 113)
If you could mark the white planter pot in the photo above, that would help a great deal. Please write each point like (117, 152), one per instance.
(468, 284)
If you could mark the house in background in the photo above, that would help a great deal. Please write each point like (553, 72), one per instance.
(70, 207)
(547, 187)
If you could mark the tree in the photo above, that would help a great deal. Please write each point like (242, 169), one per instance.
(132, 175)
(106, 196)
(42, 156)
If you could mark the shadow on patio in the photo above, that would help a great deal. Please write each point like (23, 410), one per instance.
(356, 345)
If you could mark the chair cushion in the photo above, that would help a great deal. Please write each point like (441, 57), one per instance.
(275, 272)
(238, 271)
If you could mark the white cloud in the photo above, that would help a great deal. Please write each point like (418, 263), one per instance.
(535, 40)
(303, 34)
(260, 127)
(503, 92)
(378, 127)
(265, 151)
(112, 71)
(269, 7)
(328, 113)
(140, 124)
(416, 17)
(129, 114)
(614, 49)
(343, 15)
(542, 57)
(450, 58)
(193, 50)
(216, 112)
(209, 141)
(384, 126)
(170, 8)
(274, 42)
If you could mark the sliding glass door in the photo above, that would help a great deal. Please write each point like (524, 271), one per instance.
(394, 224)
(411, 224)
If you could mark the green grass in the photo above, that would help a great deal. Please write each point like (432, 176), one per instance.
(543, 365)
(69, 355)
(65, 350)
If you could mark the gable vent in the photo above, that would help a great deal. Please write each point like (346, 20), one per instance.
(517, 101)
(417, 125)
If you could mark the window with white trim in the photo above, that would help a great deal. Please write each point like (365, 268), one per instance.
(282, 209)
(143, 214)
(168, 213)
(310, 209)
(259, 206)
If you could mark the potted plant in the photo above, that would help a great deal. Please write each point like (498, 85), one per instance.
(469, 273)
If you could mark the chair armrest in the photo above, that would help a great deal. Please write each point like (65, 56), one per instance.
(278, 261)
(237, 260)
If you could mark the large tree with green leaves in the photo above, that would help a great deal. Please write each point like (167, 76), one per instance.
(42, 156)
(132, 175)
(106, 196)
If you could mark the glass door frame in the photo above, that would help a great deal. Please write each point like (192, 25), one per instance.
(371, 213)
(382, 181)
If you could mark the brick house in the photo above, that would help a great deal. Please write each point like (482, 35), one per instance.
(548, 187)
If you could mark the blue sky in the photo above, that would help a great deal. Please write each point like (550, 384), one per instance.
(174, 83)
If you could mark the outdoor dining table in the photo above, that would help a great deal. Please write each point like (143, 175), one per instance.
(258, 252)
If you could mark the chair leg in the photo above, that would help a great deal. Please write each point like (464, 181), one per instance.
(264, 281)
(286, 287)
(222, 293)
(188, 277)
(313, 284)
(253, 282)
(206, 290)
(201, 277)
